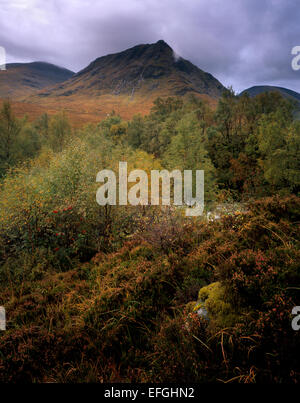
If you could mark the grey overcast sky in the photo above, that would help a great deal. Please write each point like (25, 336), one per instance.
(240, 42)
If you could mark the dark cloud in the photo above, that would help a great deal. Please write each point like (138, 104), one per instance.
(241, 42)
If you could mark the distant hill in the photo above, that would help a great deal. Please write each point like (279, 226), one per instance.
(286, 93)
(22, 79)
(144, 70)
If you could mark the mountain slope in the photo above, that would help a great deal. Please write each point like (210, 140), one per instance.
(127, 82)
(23, 79)
(286, 93)
(145, 70)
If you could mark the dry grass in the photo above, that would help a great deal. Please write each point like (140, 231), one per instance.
(82, 110)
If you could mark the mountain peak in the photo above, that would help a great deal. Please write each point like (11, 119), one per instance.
(162, 43)
(285, 92)
(145, 71)
(22, 79)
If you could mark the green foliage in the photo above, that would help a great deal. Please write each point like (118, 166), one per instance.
(59, 131)
(9, 130)
(279, 144)
(221, 313)
(21, 140)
